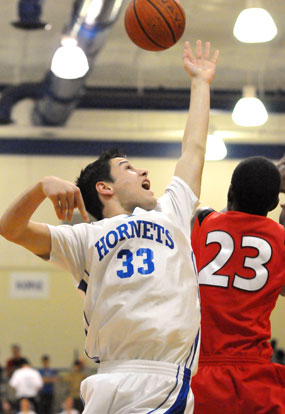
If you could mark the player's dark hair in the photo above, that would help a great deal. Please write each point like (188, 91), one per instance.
(99, 170)
(255, 185)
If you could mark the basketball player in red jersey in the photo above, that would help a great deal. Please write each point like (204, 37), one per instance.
(281, 167)
(240, 258)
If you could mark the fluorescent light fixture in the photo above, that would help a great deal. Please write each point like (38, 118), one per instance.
(249, 111)
(69, 60)
(254, 25)
(216, 149)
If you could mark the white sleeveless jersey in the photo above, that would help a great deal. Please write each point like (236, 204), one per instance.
(139, 278)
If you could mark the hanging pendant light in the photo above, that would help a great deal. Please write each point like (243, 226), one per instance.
(216, 149)
(69, 60)
(254, 24)
(249, 111)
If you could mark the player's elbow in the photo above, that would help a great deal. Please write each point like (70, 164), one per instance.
(4, 232)
(10, 233)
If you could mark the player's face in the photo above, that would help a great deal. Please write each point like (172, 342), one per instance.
(131, 185)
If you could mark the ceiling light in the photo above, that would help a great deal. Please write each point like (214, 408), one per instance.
(254, 25)
(249, 111)
(69, 61)
(216, 149)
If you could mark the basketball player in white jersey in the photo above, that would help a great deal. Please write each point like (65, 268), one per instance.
(135, 265)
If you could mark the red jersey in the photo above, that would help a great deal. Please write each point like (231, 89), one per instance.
(240, 260)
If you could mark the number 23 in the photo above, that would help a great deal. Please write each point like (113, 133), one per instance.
(208, 276)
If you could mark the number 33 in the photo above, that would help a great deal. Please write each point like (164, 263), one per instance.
(128, 270)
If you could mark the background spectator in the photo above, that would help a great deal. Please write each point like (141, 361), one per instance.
(46, 395)
(73, 380)
(25, 407)
(281, 168)
(68, 407)
(26, 382)
(14, 361)
(7, 407)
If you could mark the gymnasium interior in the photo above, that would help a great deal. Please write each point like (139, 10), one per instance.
(131, 98)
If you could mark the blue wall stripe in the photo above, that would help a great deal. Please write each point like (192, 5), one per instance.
(79, 147)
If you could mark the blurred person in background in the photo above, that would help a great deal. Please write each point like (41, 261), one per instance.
(46, 395)
(25, 407)
(73, 380)
(68, 407)
(6, 407)
(27, 382)
(281, 168)
(14, 361)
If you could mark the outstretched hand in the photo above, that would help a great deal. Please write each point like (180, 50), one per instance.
(200, 66)
(65, 197)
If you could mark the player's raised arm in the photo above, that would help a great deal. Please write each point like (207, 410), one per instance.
(201, 69)
(16, 224)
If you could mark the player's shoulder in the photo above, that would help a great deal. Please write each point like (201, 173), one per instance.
(201, 214)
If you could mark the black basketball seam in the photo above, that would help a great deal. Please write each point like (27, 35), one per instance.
(141, 26)
(181, 10)
(170, 28)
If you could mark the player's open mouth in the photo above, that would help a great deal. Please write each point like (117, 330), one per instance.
(146, 185)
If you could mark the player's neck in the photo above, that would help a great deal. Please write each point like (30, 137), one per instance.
(114, 208)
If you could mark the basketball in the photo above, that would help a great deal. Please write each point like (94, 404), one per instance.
(155, 24)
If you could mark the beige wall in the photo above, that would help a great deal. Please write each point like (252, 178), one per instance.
(54, 325)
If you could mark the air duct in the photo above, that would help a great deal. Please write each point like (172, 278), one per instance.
(90, 24)
(14, 94)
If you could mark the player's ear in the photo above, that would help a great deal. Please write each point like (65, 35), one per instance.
(274, 204)
(230, 196)
(104, 188)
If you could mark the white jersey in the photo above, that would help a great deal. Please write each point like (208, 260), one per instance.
(27, 382)
(138, 275)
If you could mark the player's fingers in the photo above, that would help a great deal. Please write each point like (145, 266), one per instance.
(216, 56)
(70, 201)
(188, 51)
(207, 50)
(198, 49)
(81, 206)
(63, 205)
(57, 206)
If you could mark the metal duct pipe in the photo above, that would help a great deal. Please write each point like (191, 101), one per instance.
(91, 22)
(14, 94)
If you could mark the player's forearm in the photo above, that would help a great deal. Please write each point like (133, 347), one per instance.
(16, 218)
(196, 129)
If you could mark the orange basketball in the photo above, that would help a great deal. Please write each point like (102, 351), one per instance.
(155, 24)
